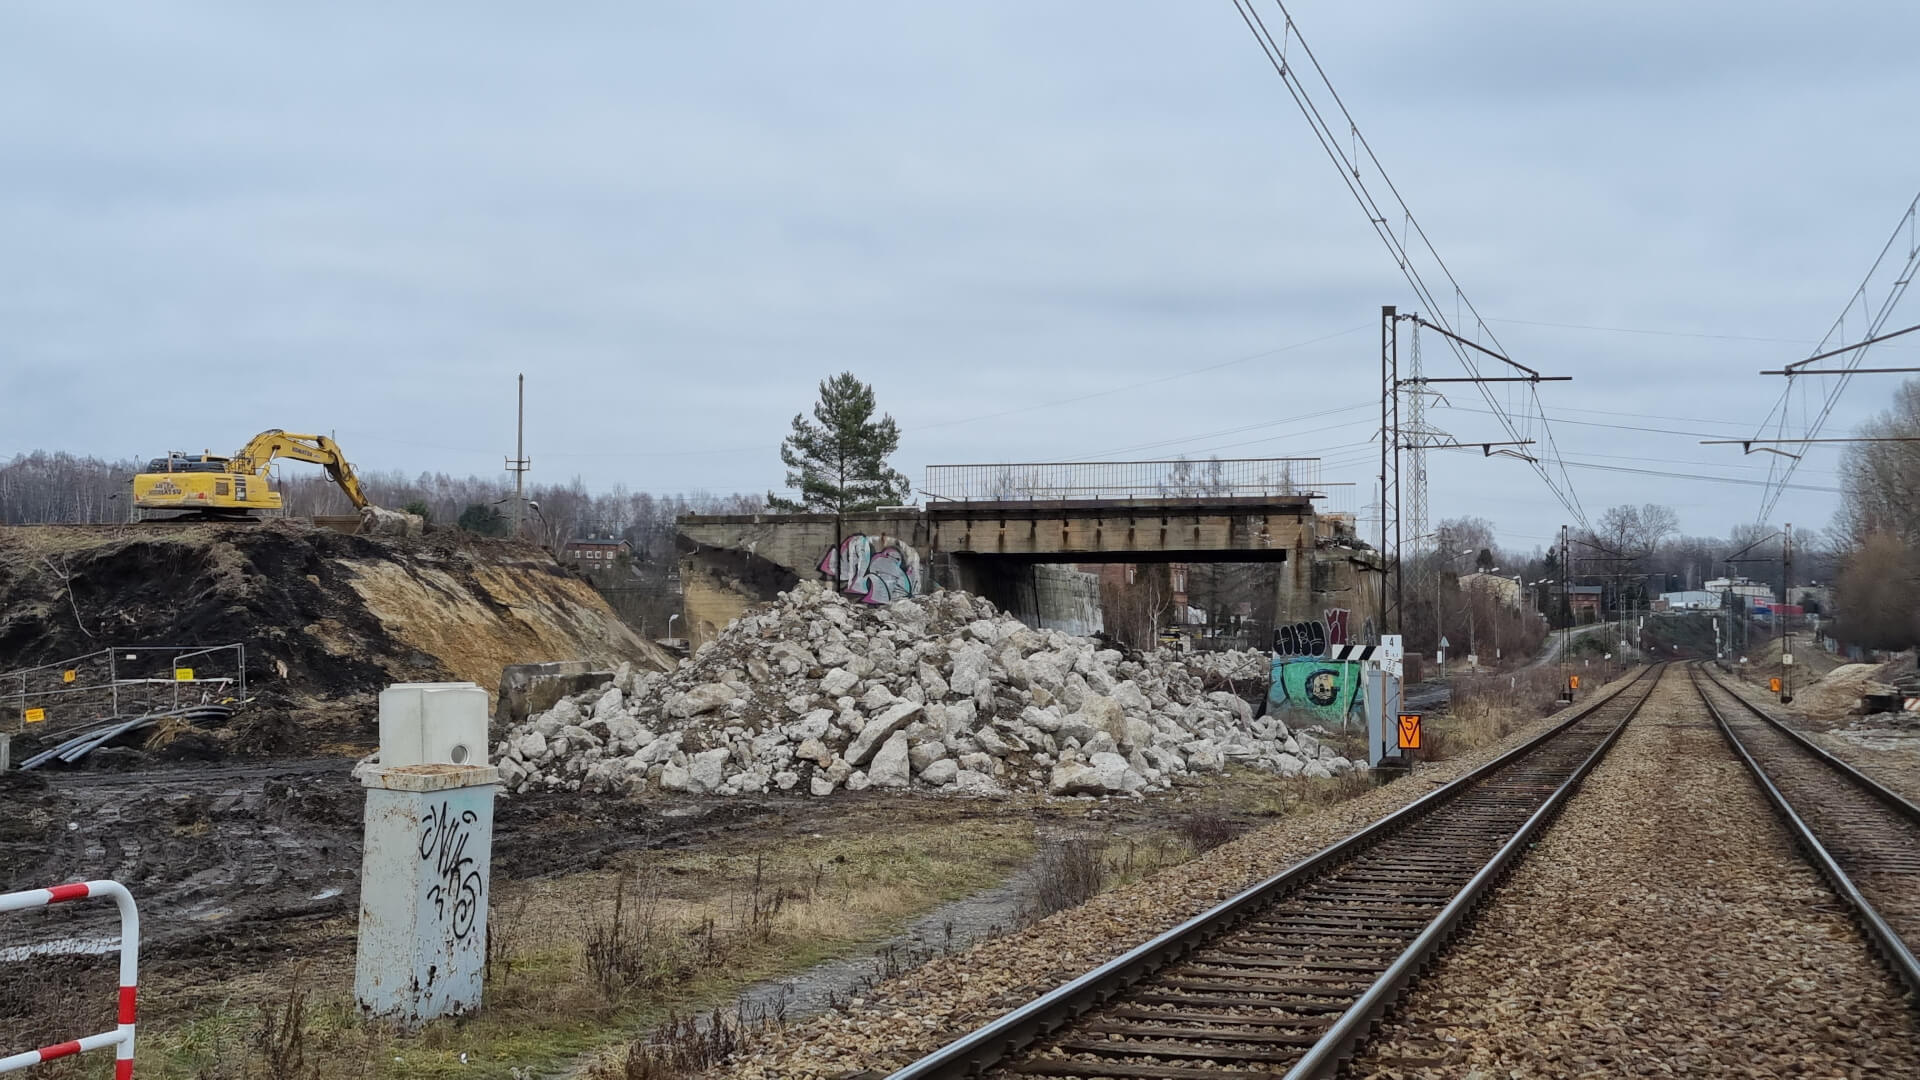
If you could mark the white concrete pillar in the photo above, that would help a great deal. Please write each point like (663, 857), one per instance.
(425, 880)
(6, 751)
(1383, 718)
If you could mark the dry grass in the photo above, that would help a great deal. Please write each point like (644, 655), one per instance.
(577, 965)
(1204, 831)
(1487, 709)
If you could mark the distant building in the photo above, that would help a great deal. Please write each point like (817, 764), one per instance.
(601, 552)
(1583, 600)
(1691, 600)
(1739, 586)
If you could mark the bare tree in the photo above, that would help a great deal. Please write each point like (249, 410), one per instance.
(1879, 595)
(1134, 611)
(1880, 482)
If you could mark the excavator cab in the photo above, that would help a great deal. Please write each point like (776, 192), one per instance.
(179, 462)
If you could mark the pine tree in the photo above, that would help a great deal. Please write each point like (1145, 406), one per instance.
(838, 460)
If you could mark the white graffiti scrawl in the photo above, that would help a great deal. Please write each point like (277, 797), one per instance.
(877, 569)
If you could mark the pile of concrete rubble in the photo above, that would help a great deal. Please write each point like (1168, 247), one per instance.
(1236, 666)
(819, 693)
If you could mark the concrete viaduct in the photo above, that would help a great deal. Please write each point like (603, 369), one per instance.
(1019, 553)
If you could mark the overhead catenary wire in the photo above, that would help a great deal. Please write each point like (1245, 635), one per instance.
(1349, 165)
(1653, 332)
(1859, 306)
(1202, 436)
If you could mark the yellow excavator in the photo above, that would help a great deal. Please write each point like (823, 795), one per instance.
(208, 487)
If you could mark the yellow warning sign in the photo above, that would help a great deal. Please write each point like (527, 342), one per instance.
(1409, 731)
(1573, 682)
(183, 674)
(69, 675)
(35, 716)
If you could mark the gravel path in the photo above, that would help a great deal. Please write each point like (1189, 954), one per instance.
(920, 1011)
(1663, 927)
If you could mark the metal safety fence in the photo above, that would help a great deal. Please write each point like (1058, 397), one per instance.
(110, 682)
(1180, 478)
(121, 1037)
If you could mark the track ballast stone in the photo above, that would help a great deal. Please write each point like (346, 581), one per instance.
(1665, 926)
(910, 1015)
(813, 692)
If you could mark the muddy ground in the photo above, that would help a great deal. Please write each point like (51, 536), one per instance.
(231, 861)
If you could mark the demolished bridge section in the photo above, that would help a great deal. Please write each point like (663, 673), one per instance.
(1022, 555)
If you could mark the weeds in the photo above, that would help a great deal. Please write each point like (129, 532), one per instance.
(1485, 710)
(281, 1042)
(627, 950)
(1068, 873)
(1204, 832)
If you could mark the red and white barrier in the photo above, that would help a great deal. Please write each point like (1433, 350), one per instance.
(121, 1038)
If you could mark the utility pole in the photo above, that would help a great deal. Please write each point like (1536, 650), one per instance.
(1786, 624)
(1390, 609)
(1442, 543)
(1566, 600)
(518, 463)
(1473, 638)
(1406, 503)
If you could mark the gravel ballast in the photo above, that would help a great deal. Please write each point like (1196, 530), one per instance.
(1885, 747)
(1664, 926)
(921, 1010)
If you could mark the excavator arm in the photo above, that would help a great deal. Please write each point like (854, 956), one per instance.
(263, 448)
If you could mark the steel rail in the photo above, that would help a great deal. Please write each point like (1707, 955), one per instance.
(1881, 935)
(1338, 1043)
(1012, 1033)
(1868, 784)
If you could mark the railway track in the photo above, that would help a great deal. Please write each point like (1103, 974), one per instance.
(1862, 837)
(1289, 976)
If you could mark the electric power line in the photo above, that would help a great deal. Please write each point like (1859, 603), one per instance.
(1347, 159)
(1874, 316)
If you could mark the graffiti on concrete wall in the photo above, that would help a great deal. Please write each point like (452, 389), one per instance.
(1301, 639)
(1317, 691)
(876, 569)
(1336, 620)
(1313, 689)
(455, 894)
(1314, 637)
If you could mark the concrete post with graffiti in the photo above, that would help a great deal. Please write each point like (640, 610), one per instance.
(424, 878)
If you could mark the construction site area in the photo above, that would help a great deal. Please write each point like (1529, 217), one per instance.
(190, 701)
(859, 776)
(958, 542)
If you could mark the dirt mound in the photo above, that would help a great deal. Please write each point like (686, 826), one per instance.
(328, 619)
(1837, 694)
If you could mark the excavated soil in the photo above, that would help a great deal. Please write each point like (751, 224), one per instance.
(327, 619)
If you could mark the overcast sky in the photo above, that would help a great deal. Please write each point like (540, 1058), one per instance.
(676, 218)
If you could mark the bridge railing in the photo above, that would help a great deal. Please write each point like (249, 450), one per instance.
(1176, 479)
